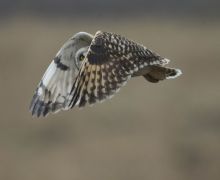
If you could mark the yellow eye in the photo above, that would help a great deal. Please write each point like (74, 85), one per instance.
(81, 57)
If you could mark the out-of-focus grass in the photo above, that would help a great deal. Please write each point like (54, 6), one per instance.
(162, 131)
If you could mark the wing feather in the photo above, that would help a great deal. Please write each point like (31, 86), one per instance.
(53, 91)
(110, 62)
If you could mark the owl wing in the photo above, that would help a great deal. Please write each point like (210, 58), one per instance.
(53, 92)
(110, 62)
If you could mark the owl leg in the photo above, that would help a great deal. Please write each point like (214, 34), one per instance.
(158, 73)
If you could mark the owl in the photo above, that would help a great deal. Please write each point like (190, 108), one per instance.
(91, 68)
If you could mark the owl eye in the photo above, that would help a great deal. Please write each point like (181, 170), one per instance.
(81, 57)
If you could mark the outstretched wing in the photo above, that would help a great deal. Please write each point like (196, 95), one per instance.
(54, 88)
(53, 92)
(110, 62)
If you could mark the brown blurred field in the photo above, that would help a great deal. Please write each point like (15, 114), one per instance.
(165, 131)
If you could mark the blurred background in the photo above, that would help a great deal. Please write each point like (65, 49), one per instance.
(164, 131)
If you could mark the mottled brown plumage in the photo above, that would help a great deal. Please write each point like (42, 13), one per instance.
(110, 60)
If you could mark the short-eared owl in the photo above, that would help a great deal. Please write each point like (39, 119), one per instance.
(89, 69)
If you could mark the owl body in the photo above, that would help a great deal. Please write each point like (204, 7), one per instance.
(89, 69)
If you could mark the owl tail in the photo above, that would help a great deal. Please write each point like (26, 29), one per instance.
(158, 73)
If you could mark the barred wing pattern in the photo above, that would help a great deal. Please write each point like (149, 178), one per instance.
(53, 91)
(110, 62)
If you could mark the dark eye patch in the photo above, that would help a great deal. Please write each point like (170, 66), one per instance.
(81, 57)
